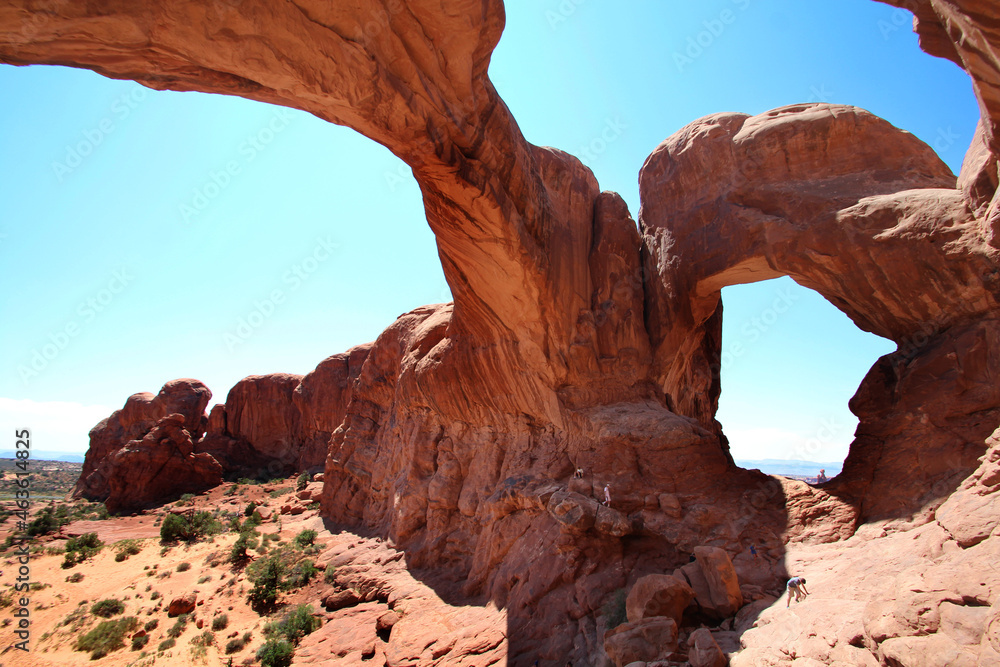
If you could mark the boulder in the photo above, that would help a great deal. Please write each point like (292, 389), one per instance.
(658, 595)
(723, 585)
(652, 638)
(928, 651)
(703, 651)
(183, 604)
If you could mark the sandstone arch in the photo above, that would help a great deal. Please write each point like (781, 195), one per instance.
(573, 341)
(868, 216)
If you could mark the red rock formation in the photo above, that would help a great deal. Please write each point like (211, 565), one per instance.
(466, 422)
(141, 413)
(274, 424)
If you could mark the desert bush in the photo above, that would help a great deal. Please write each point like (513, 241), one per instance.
(177, 629)
(238, 552)
(183, 567)
(151, 624)
(305, 538)
(234, 646)
(138, 643)
(302, 481)
(206, 638)
(275, 653)
(79, 549)
(330, 575)
(295, 625)
(166, 644)
(177, 527)
(106, 637)
(126, 548)
(266, 579)
(220, 622)
(75, 578)
(300, 574)
(107, 608)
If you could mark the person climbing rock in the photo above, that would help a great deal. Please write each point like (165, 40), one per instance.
(753, 551)
(796, 587)
(607, 495)
(578, 474)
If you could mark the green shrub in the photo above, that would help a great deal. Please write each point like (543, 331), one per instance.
(183, 567)
(250, 509)
(305, 538)
(44, 523)
(220, 622)
(295, 625)
(151, 624)
(266, 578)
(186, 499)
(330, 575)
(275, 653)
(234, 646)
(107, 608)
(177, 629)
(166, 643)
(106, 637)
(238, 552)
(139, 642)
(174, 527)
(177, 527)
(206, 638)
(300, 574)
(79, 549)
(155, 595)
(75, 578)
(302, 481)
(126, 548)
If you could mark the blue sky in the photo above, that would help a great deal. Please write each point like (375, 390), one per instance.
(148, 235)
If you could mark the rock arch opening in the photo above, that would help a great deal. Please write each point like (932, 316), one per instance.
(790, 362)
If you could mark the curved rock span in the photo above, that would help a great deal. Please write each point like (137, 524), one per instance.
(580, 359)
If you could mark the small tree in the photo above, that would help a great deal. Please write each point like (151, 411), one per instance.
(264, 593)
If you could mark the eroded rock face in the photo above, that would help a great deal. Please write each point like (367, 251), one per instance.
(576, 341)
(270, 426)
(140, 414)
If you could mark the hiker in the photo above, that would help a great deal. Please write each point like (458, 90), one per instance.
(797, 587)
(753, 551)
(578, 474)
(821, 477)
(607, 495)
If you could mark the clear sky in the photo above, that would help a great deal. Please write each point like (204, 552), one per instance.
(152, 235)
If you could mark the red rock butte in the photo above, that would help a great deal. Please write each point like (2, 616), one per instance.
(579, 339)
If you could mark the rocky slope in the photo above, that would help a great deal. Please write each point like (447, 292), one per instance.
(578, 340)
